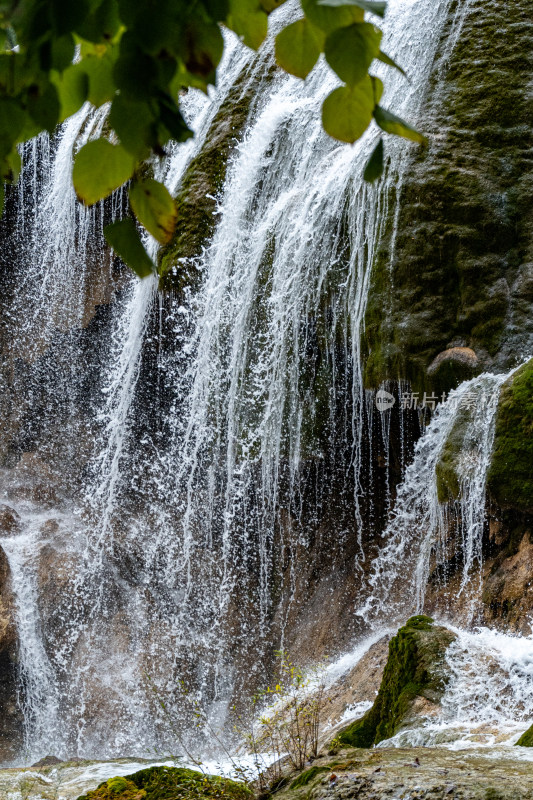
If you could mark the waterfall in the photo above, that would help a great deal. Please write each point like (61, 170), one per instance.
(418, 532)
(287, 276)
(39, 697)
(178, 515)
(488, 700)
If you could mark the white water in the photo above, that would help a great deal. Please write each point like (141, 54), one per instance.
(418, 532)
(39, 696)
(289, 263)
(488, 701)
(157, 590)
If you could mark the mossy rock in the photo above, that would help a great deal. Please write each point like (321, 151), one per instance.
(510, 478)
(168, 783)
(453, 268)
(198, 189)
(415, 668)
(526, 740)
(447, 468)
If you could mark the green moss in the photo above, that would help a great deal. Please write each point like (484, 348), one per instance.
(510, 479)
(448, 483)
(464, 227)
(526, 740)
(414, 668)
(307, 776)
(168, 783)
(197, 192)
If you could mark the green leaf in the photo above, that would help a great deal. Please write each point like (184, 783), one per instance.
(99, 168)
(217, 9)
(390, 123)
(72, 87)
(124, 238)
(391, 63)
(347, 111)
(328, 18)
(270, 5)
(249, 21)
(66, 15)
(374, 167)
(99, 71)
(204, 48)
(134, 124)
(297, 48)
(350, 50)
(374, 6)
(12, 122)
(63, 50)
(172, 119)
(155, 208)
(378, 88)
(30, 129)
(102, 24)
(43, 106)
(11, 167)
(134, 71)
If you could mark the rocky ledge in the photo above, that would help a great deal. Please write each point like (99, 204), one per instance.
(399, 774)
(362, 774)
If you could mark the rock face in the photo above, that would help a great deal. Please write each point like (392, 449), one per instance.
(459, 273)
(454, 359)
(9, 520)
(10, 716)
(196, 196)
(510, 478)
(508, 587)
(413, 681)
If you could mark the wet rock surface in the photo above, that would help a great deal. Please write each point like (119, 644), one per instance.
(459, 272)
(10, 713)
(9, 521)
(413, 682)
(405, 774)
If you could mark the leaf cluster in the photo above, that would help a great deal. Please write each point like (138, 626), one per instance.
(138, 56)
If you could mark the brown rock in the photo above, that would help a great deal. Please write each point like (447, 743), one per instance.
(10, 715)
(463, 356)
(9, 521)
(47, 761)
(359, 685)
(508, 592)
(7, 628)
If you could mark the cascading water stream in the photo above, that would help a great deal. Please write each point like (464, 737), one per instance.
(178, 539)
(39, 697)
(287, 272)
(488, 700)
(419, 525)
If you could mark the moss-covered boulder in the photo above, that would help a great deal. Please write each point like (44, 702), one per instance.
(168, 783)
(510, 479)
(526, 740)
(415, 669)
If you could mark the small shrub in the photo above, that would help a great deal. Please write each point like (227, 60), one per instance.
(288, 724)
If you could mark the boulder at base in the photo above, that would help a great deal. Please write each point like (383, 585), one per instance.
(414, 676)
(168, 783)
(526, 740)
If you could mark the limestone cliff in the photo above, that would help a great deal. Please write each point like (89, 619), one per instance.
(457, 268)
